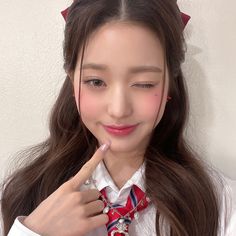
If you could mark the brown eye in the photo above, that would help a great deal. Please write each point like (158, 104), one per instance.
(94, 83)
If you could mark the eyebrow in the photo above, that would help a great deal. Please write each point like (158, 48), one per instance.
(132, 70)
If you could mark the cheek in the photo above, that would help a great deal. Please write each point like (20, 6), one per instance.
(89, 106)
(149, 105)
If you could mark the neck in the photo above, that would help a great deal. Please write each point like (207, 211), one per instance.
(122, 166)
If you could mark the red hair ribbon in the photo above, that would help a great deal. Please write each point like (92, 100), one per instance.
(65, 13)
(185, 17)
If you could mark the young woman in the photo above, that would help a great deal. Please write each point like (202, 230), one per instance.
(116, 161)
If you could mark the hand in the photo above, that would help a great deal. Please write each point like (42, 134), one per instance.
(68, 211)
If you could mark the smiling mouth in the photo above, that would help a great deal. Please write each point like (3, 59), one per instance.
(121, 130)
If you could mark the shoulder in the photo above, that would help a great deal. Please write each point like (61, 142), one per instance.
(229, 209)
(226, 189)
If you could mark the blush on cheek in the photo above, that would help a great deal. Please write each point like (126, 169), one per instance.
(151, 103)
(89, 107)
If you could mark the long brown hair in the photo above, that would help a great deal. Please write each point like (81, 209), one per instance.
(176, 180)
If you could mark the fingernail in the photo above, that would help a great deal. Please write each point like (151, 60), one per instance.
(104, 147)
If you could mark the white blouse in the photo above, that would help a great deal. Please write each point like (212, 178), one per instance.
(145, 224)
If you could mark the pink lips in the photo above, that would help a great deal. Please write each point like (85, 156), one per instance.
(120, 130)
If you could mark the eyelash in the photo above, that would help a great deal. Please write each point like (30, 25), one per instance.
(91, 82)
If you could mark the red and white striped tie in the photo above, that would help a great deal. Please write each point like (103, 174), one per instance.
(118, 225)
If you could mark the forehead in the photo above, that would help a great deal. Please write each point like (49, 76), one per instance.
(122, 45)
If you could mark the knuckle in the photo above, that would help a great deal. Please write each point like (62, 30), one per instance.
(79, 197)
(82, 211)
(96, 192)
(68, 185)
(76, 197)
(72, 183)
(87, 167)
(63, 188)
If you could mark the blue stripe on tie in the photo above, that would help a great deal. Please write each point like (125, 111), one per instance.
(127, 221)
(133, 197)
(112, 224)
(116, 206)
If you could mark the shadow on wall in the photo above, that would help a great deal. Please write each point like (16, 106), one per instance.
(201, 114)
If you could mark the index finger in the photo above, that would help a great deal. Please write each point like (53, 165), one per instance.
(87, 169)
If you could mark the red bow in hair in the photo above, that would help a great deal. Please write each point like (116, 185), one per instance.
(185, 17)
(64, 13)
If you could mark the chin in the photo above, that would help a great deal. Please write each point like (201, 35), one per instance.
(123, 146)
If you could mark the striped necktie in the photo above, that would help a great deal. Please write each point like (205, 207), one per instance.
(118, 224)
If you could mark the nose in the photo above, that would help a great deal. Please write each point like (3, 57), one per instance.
(119, 103)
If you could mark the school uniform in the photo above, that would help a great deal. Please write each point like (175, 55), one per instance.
(145, 224)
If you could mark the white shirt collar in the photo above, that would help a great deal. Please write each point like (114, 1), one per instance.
(103, 179)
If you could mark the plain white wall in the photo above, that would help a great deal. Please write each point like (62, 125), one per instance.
(31, 75)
